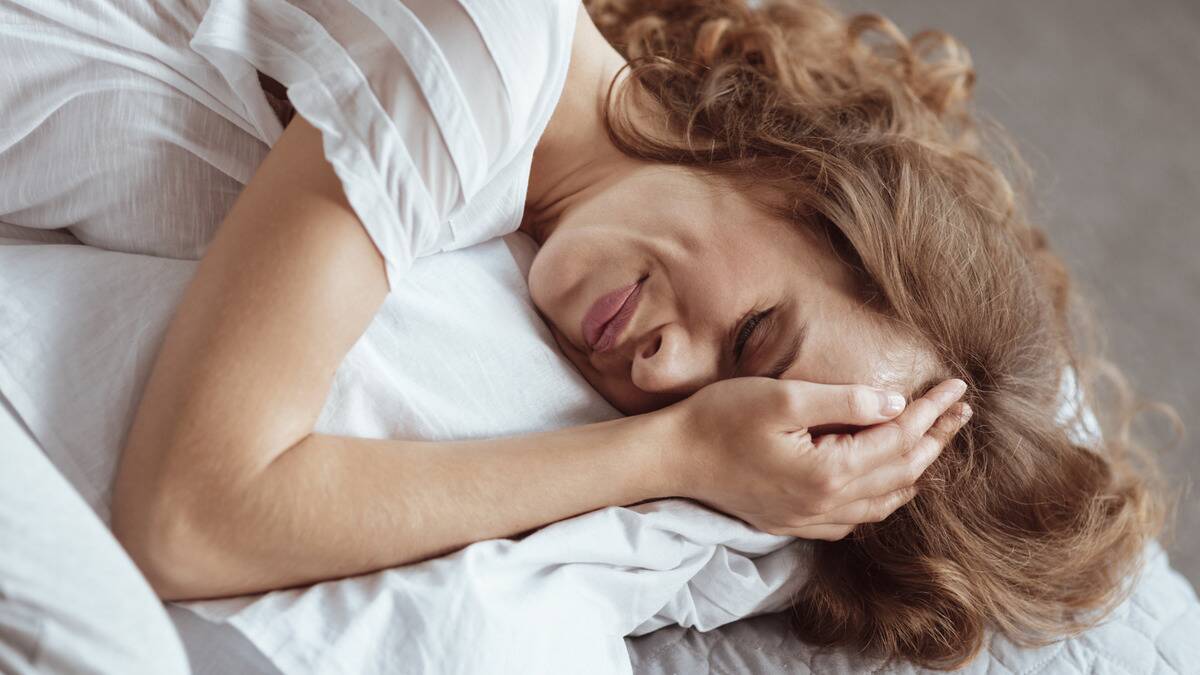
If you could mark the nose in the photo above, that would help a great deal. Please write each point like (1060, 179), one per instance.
(672, 361)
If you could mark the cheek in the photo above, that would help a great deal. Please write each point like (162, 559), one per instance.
(576, 265)
(568, 255)
(550, 275)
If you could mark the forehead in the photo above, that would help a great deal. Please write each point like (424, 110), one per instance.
(847, 341)
(848, 345)
(848, 354)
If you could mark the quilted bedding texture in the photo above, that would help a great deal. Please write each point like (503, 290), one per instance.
(1155, 631)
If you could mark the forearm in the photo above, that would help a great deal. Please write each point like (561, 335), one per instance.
(222, 488)
(331, 506)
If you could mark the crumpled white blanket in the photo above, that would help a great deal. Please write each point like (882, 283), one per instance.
(558, 601)
(459, 352)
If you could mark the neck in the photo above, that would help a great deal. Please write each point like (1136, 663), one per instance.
(575, 157)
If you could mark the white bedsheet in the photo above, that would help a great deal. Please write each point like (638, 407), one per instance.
(71, 600)
(559, 601)
(459, 352)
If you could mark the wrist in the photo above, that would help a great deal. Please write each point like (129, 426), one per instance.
(658, 442)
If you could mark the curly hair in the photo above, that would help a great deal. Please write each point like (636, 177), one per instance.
(868, 136)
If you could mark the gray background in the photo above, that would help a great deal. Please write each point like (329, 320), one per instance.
(1103, 99)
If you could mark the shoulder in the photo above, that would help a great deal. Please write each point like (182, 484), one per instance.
(508, 59)
(495, 65)
(529, 41)
(424, 105)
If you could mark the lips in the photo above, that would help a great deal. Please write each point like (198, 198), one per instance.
(608, 316)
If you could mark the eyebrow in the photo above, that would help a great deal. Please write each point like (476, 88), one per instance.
(791, 353)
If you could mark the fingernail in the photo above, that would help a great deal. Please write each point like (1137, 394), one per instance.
(965, 414)
(890, 402)
(954, 390)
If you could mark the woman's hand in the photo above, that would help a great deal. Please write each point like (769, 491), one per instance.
(748, 450)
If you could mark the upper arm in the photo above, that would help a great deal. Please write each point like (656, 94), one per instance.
(288, 284)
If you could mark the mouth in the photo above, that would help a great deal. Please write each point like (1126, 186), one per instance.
(609, 315)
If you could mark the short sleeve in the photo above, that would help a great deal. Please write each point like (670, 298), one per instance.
(421, 103)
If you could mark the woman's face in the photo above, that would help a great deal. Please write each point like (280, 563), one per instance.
(707, 261)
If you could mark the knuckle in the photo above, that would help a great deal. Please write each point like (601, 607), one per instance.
(914, 470)
(788, 399)
(827, 440)
(848, 465)
(806, 442)
(946, 425)
(925, 411)
(878, 510)
(908, 438)
(829, 483)
(888, 506)
(891, 434)
(940, 433)
(861, 402)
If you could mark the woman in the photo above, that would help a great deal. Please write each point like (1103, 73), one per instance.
(759, 195)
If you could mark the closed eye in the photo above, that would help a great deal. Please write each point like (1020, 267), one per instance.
(763, 327)
(747, 331)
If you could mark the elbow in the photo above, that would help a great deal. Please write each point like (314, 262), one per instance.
(164, 542)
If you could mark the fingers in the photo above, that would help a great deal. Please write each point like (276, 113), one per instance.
(902, 473)
(938, 436)
(883, 443)
(866, 476)
(827, 532)
(811, 404)
(840, 522)
(921, 415)
(871, 509)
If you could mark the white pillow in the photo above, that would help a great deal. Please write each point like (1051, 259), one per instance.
(457, 352)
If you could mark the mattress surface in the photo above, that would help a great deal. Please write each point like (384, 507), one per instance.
(1155, 630)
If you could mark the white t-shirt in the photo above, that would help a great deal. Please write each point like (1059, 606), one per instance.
(430, 109)
(134, 127)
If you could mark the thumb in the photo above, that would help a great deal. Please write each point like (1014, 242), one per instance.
(812, 404)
